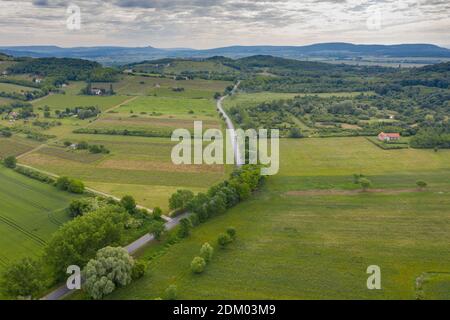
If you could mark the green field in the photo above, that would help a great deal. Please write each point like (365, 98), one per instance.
(11, 88)
(61, 102)
(15, 146)
(30, 212)
(138, 166)
(253, 99)
(299, 241)
(163, 87)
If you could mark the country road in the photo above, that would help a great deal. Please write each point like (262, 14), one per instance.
(171, 223)
(231, 129)
(146, 239)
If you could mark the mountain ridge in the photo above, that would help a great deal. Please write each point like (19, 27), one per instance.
(339, 50)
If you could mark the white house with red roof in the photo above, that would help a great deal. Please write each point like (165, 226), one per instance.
(389, 136)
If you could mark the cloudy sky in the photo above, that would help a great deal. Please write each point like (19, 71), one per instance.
(214, 23)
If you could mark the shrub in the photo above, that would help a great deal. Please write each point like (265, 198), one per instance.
(231, 232)
(198, 265)
(185, 228)
(421, 184)
(67, 143)
(157, 213)
(171, 292)
(10, 162)
(78, 207)
(223, 240)
(128, 203)
(139, 269)
(76, 186)
(180, 199)
(206, 252)
(34, 175)
(365, 183)
(83, 145)
(62, 183)
(158, 228)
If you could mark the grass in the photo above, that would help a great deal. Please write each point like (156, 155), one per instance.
(11, 88)
(61, 102)
(138, 166)
(253, 99)
(319, 247)
(163, 87)
(15, 146)
(30, 212)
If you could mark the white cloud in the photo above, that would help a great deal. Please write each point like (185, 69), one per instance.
(211, 23)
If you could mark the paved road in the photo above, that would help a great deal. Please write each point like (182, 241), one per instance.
(62, 291)
(231, 129)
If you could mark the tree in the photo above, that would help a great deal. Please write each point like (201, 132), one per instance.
(223, 240)
(139, 269)
(62, 183)
(128, 203)
(10, 162)
(78, 207)
(421, 184)
(365, 183)
(206, 252)
(25, 278)
(157, 213)
(77, 241)
(180, 199)
(198, 265)
(111, 268)
(76, 186)
(231, 232)
(171, 292)
(295, 133)
(158, 228)
(67, 143)
(185, 228)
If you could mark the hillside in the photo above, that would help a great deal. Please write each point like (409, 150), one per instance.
(114, 54)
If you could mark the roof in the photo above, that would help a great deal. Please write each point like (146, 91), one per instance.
(390, 135)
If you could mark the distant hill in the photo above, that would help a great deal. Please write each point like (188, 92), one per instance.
(114, 54)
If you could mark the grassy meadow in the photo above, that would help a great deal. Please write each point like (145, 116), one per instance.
(293, 244)
(139, 166)
(30, 212)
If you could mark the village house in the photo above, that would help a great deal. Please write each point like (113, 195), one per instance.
(387, 137)
(96, 91)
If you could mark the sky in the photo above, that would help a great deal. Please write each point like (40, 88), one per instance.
(215, 23)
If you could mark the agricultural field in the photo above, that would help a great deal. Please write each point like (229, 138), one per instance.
(310, 234)
(14, 88)
(253, 99)
(139, 166)
(166, 87)
(30, 211)
(15, 146)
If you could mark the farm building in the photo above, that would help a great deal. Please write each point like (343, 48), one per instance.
(389, 136)
(96, 91)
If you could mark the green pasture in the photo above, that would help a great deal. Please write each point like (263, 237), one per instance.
(30, 211)
(14, 88)
(138, 166)
(318, 246)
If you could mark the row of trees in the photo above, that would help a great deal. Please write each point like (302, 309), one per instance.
(242, 182)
